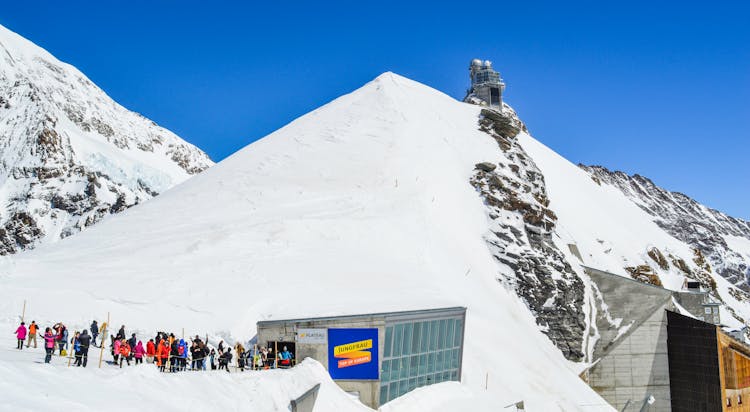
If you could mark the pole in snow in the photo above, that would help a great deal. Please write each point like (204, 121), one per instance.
(104, 336)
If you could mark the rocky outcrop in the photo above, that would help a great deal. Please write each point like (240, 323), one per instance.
(703, 228)
(645, 274)
(69, 155)
(520, 236)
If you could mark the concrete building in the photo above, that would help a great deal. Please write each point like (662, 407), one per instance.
(377, 356)
(486, 83)
(631, 355)
(699, 302)
(655, 353)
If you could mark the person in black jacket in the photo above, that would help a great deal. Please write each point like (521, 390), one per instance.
(132, 342)
(121, 333)
(85, 341)
(94, 331)
(225, 359)
(174, 355)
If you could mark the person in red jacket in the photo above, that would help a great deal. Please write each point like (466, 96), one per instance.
(150, 351)
(163, 354)
(124, 352)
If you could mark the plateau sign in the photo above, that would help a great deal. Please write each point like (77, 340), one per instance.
(312, 336)
(353, 353)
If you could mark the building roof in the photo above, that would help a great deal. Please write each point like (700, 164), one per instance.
(391, 315)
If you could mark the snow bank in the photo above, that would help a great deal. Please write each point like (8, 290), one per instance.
(29, 385)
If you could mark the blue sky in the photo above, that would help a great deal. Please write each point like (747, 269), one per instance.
(656, 88)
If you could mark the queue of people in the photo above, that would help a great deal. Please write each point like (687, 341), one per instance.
(165, 350)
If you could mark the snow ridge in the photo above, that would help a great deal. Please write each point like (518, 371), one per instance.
(684, 218)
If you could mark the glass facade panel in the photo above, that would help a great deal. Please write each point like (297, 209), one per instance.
(398, 335)
(406, 348)
(385, 372)
(416, 333)
(449, 335)
(434, 325)
(422, 364)
(404, 368)
(459, 328)
(413, 366)
(419, 353)
(443, 337)
(388, 341)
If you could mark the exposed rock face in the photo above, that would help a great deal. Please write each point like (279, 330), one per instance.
(521, 236)
(703, 228)
(70, 155)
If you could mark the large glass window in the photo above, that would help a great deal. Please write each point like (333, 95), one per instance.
(388, 341)
(419, 353)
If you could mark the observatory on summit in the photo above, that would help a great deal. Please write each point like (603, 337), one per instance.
(486, 83)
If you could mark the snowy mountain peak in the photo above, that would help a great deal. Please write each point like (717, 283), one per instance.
(70, 154)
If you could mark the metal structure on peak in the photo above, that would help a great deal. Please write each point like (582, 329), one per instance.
(486, 83)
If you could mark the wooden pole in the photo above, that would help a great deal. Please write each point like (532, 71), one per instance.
(23, 313)
(72, 347)
(275, 354)
(104, 337)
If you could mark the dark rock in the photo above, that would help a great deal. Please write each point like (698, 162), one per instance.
(485, 166)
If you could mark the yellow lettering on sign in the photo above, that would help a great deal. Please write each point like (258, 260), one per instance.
(340, 350)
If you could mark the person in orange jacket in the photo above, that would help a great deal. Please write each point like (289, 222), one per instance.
(33, 329)
(124, 352)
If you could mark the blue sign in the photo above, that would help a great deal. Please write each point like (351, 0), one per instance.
(353, 353)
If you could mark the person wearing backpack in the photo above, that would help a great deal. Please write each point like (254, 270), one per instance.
(182, 352)
(84, 340)
(33, 329)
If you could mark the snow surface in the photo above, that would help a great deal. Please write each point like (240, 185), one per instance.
(40, 387)
(363, 205)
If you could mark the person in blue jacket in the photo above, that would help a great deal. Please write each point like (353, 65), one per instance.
(182, 351)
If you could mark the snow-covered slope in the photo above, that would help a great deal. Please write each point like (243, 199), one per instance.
(722, 239)
(69, 154)
(614, 232)
(365, 204)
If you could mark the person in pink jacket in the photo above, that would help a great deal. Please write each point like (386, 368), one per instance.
(138, 352)
(116, 350)
(49, 344)
(21, 335)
